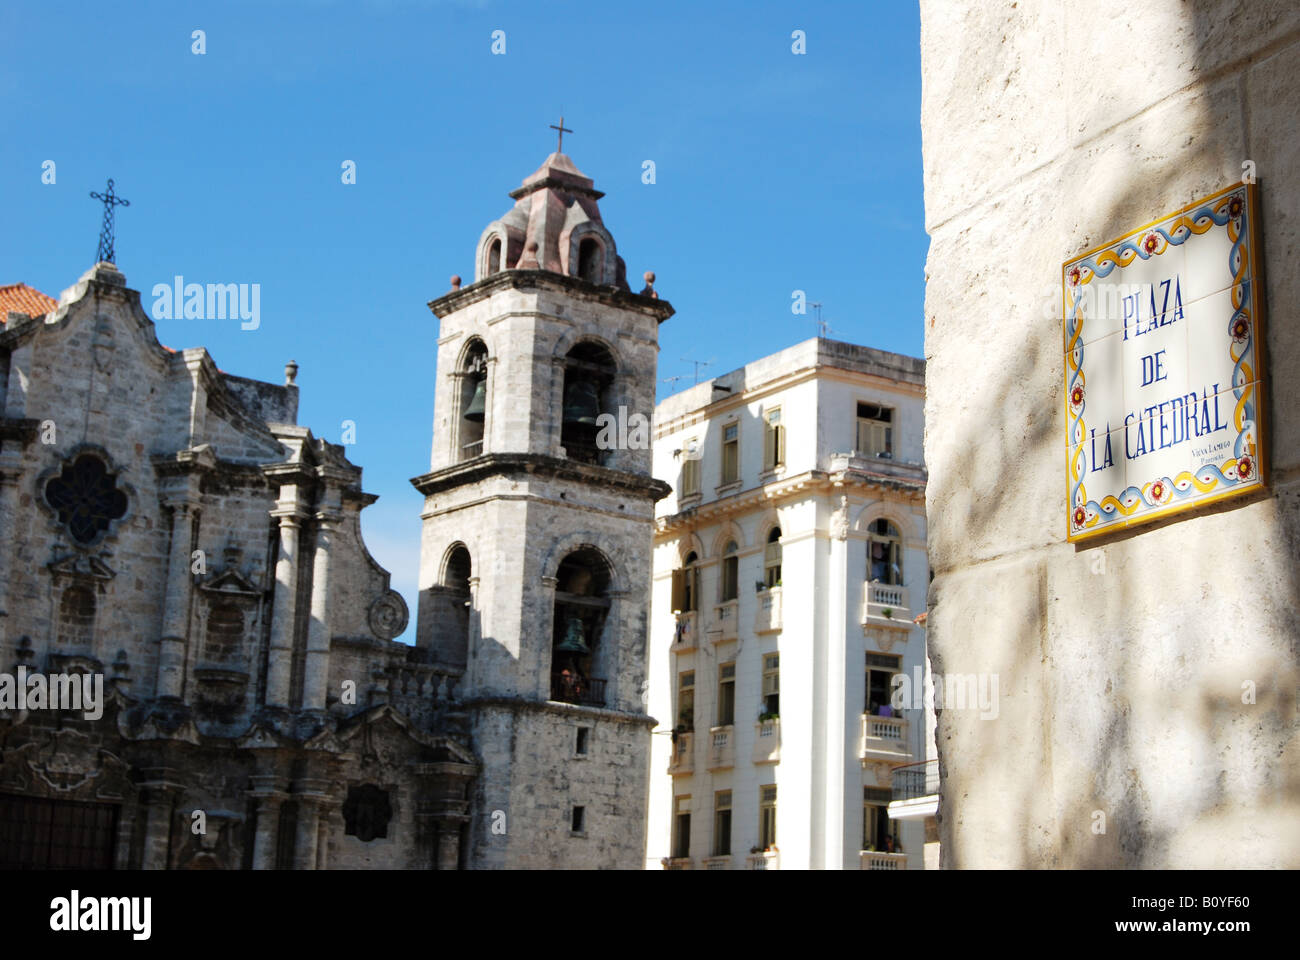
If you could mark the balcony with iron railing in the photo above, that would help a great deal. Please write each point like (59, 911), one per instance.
(884, 738)
(571, 688)
(907, 474)
(872, 860)
(682, 762)
(722, 747)
(915, 791)
(726, 622)
(684, 633)
(767, 616)
(767, 741)
(886, 604)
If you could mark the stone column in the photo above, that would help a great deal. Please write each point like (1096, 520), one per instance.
(158, 797)
(279, 665)
(554, 421)
(313, 798)
(448, 853)
(308, 835)
(327, 819)
(622, 689)
(176, 609)
(491, 441)
(542, 651)
(268, 793)
(18, 432)
(316, 674)
(10, 472)
(445, 786)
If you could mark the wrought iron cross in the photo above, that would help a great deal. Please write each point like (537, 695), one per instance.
(111, 200)
(559, 147)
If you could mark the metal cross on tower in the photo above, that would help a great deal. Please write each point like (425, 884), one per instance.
(110, 199)
(559, 147)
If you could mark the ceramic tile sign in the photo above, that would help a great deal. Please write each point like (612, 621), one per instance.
(1163, 367)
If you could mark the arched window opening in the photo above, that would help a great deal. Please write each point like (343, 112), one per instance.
(473, 401)
(494, 257)
(772, 559)
(885, 553)
(459, 570)
(588, 373)
(730, 572)
(224, 639)
(686, 585)
(581, 605)
(77, 618)
(589, 260)
(450, 609)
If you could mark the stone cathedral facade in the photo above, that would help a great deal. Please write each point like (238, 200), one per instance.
(169, 531)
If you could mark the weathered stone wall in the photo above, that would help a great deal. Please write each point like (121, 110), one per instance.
(1048, 128)
(532, 775)
(191, 449)
(519, 506)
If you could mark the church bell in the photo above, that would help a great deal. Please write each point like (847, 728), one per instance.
(478, 404)
(573, 642)
(582, 403)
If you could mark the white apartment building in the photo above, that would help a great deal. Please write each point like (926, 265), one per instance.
(789, 563)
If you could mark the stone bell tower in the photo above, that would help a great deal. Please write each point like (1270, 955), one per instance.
(535, 557)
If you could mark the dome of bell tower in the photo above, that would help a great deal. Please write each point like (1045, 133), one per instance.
(555, 225)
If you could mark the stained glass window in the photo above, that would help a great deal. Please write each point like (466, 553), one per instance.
(85, 497)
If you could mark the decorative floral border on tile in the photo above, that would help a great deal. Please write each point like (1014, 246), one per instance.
(1236, 211)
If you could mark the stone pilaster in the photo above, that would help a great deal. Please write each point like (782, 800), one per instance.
(268, 794)
(447, 855)
(10, 472)
(313, 802)
(284, 613)
(158, 796)
(316, 673)
(176, 608)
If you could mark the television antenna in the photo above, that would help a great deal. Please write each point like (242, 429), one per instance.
(698, 364)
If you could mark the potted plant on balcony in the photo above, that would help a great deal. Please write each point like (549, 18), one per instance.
(888, 613)
(765, 716)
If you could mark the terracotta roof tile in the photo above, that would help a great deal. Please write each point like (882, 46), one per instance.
(24, 299)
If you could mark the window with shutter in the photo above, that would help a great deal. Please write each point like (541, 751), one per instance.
(690, 478)
(767, 817)
(875, 430)
(731, 453)
(686, 700)
(730, 572)
(773, 440)
(726, 694)
(682, 827)
(772, 558)
(885, 556)
(772, 684)
(722, 823)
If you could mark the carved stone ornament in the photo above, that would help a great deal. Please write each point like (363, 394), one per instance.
(388, 615)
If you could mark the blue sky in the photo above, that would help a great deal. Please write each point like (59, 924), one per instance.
(775, 172)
